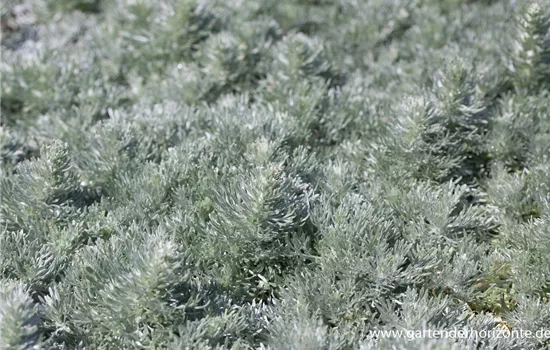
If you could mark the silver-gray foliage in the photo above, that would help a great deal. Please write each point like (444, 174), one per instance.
(275, 174)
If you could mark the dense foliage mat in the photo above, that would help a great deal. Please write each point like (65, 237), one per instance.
(277, 174)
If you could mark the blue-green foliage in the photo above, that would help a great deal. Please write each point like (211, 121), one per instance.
(278, 174)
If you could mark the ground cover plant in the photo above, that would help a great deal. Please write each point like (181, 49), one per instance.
(275, 174)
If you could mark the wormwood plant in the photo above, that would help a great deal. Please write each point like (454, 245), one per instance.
(280, 174)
